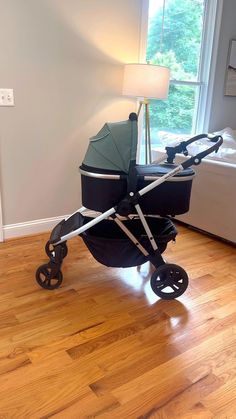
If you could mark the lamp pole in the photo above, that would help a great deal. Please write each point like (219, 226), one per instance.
(148, 147)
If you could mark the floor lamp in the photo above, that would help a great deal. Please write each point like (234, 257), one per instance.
(146, 81)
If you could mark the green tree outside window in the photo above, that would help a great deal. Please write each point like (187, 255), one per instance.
(180, 51)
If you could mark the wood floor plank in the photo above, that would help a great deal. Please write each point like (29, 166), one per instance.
(174, 398)
(187, 362)
(104, 345)
(221, 398)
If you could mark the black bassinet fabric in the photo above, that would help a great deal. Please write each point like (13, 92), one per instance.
(170, 198)
(110, 246)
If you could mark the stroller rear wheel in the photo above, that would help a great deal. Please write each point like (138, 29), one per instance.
(169, 281)
(45, 278)
(50, 252)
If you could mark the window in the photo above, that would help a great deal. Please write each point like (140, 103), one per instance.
(183, 42)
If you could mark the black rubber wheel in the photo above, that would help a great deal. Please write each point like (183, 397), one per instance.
(43, 278)
(169, 281)
(49, 249)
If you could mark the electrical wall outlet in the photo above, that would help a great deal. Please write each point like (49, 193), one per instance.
(6, 97)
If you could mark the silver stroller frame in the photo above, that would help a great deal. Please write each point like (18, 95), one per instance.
(107, 214)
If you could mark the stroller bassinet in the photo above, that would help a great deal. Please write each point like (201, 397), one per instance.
(125, 220)
(101, 191)
(106, 174)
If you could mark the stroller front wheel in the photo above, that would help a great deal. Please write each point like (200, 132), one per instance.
(169, 281)
(45, 278)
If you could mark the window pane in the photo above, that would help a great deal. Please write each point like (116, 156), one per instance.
(176, 113)
(180, 46)
(173, 118)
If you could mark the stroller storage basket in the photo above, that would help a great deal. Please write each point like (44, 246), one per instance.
(110, 246)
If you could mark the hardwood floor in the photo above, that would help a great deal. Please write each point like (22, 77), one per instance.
(103, 345)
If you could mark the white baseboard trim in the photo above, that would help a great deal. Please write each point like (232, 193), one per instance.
(31, 227)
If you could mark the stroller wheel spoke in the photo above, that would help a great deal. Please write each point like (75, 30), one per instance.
(177, 283)
(45, 272)
(175, 286)
(47, 282)
(161, 285)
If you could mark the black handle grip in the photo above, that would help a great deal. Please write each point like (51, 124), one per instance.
(195, 160)
(182, 147)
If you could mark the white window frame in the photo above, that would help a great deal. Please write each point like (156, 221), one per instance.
(207, 66)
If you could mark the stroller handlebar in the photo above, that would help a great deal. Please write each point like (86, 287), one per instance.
(217, 141)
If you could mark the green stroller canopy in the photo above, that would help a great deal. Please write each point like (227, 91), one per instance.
(114, 146)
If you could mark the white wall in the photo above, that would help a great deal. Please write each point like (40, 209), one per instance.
(64, 60)
(223, 110)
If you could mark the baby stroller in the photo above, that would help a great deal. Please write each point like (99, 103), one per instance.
(126, 218)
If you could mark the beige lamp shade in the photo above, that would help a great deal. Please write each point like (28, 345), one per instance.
(146, 80)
